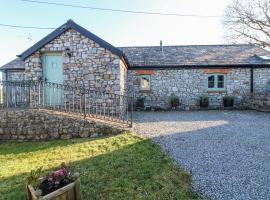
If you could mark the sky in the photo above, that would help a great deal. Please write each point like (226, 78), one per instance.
(119, 29)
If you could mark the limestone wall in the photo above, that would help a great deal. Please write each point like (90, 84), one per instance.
(260, 101)
(189, 85)
(123, 77)
(90, 64)
(13, 75)
(34, 124)
(262, 80)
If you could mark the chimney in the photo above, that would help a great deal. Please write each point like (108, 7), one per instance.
(161, 46)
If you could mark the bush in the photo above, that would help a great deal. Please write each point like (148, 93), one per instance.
(140, 102)
(174, 101)
(228, 101)
(204, 101)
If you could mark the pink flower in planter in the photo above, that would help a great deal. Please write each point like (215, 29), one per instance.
(58, 177)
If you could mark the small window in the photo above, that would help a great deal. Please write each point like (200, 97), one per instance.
(216, 82)
(211, 81)
(145, 82)
(220, 81)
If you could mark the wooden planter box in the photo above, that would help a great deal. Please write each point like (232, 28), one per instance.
(71, 191)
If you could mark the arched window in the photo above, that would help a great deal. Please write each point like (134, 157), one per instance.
(216, 82)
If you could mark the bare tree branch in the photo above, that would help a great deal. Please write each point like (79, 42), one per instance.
(248, 20)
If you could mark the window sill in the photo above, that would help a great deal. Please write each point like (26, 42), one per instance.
(216, 91)
(145, 91)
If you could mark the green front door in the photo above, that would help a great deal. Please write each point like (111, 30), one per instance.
(52, 64)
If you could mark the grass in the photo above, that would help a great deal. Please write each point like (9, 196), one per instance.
(119, 167)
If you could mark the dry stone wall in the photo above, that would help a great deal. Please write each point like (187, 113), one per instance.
(34, 124)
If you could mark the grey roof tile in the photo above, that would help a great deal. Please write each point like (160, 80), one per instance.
(195, 55)
(14, 64)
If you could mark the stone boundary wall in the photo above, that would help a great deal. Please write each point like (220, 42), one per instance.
(35, 124)
(260, 102)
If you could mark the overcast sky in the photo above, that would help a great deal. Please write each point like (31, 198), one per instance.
(119, 29)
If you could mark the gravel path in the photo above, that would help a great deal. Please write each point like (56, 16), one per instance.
(227, 152)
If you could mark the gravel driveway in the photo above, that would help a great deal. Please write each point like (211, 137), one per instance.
(227, 152)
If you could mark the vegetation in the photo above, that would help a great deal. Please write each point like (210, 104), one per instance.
(174, 101)
(140, 102)
(119, 167)
(51, 181)
(248, 21)
(228, 101)
(204, 101)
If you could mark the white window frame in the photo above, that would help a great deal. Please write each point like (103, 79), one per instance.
(216, 88)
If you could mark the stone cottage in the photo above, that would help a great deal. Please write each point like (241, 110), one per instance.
(74, 56)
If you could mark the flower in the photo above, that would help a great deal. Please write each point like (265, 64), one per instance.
(58, 177)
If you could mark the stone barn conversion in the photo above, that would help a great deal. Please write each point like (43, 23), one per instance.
(71, 55)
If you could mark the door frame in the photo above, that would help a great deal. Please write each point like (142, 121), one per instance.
(50, 92)
(43, 60)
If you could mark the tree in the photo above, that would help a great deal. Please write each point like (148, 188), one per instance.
(248, 21)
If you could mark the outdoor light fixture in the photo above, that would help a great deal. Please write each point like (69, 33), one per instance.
(68, 52)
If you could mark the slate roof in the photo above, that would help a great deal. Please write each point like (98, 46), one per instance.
(195, 55)
(16, 64)
(70, 24)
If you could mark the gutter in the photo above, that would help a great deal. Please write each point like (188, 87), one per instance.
(11, 69)
(6, 75)
(251, 79)
(162, 67)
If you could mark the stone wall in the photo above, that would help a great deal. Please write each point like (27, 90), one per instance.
(123, 77)
(12, 75)
(34, 124)
(90, 64)
(189, 85)
(261, 80)
(260, 101)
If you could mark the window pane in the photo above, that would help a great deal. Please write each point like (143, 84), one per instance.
(220, 81)
(221, 78)
(211, 81)
(145, 82)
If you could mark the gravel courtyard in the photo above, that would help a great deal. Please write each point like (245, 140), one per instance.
(227, 152)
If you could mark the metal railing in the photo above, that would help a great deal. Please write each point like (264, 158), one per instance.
(66, 98)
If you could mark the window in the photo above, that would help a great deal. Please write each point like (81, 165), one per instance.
(145, 82)
(216, 82)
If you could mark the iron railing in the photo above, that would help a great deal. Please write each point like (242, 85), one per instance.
(66, 98)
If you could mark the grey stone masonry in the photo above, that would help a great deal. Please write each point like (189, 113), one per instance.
(34, 124)
(90, 64)
(260, 102)
(190, 84)
(14, 75)
(262, 80)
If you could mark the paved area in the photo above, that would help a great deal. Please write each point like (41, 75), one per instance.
(227, 152)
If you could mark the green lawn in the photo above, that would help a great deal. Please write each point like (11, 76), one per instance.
(119, 167)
